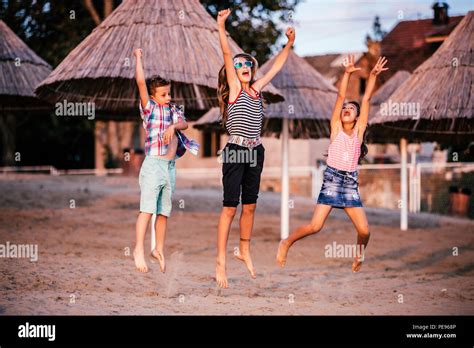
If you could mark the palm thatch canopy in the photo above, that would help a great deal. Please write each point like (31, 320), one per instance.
(179, 40)
(210, 120)
(21, 70)
(387, 89)
(437, 102)
(309, 99)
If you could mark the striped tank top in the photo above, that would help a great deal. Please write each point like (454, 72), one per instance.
(344, 152)
(245, 115)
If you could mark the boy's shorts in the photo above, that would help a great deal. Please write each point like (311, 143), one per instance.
(241, 171)
(157, 181)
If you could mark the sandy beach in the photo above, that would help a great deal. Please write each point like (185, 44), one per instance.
(83, 227)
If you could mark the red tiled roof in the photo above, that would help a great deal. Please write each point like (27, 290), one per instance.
(409, 35)
(405, 46)
(322, 64)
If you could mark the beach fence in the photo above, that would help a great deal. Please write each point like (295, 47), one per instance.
(441, 188)
(51, 170)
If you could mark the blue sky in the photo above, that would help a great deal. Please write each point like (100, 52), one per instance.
(339, 26)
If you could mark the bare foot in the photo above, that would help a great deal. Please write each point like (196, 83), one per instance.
(158, 255)
(356, 265)
(140, 263)
(243, 254)
(221, 277)
(283, 248)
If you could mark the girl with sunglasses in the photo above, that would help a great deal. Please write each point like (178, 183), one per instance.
(340, 187)
(240, 101)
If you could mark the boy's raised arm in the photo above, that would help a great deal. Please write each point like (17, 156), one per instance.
(140, 78)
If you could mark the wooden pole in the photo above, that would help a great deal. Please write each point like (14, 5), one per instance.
(285, 182)
(403, 185)
(99, 147)
(412, 179)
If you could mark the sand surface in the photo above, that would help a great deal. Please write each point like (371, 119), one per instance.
(84, 265)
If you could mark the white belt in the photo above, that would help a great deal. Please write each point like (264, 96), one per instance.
(243, 141)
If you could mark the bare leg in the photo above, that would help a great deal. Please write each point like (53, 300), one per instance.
(246, 227)
(225, 221)
(321, 212)
(160, 234)
(358, 218)
(139, 252)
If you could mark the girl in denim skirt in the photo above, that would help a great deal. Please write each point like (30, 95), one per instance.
(340, 187)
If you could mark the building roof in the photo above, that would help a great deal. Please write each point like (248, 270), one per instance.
(440, 90)
(408, 44)
(329, 65)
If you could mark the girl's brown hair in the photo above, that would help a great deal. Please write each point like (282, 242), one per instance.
(363, 147)
(223, 86)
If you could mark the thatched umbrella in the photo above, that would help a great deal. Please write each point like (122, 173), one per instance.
(305, 113)
(440, 90)
(386, 90)
(180, 42)
(381, 96)
(21, 70)
(210, 120)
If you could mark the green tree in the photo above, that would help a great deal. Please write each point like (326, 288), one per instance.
(377, 31)
(50, 28)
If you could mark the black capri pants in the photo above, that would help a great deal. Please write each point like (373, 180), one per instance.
(241, 171)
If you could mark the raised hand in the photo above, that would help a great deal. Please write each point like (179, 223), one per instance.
(290, 34)
(379, 67)
(222, 16)
(137, 52)
(349, 65)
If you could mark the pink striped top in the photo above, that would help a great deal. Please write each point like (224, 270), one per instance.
(344, 151)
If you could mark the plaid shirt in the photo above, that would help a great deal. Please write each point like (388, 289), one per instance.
(156, 120)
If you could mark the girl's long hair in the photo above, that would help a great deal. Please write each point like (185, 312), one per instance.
(223, 86)
(363, 147)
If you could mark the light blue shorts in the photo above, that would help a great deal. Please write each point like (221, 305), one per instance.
(157, 181)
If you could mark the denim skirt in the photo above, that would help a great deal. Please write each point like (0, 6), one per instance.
(340, 189)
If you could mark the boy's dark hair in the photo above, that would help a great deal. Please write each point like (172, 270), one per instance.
(154, 82)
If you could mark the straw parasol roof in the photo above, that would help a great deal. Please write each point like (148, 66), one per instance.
(309, 99)
(383, 94)
(21, 70)
(442, 89)
(387, 89)
(180, 42)
(210, 120)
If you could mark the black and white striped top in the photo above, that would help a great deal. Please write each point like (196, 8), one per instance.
(245, 115)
